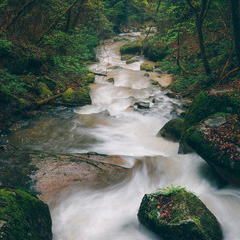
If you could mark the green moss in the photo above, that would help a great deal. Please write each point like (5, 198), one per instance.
(146, 67)
(50, 83)
(205, 104)
(156, 51)
(131, 47)
(43, 90)
(23, 216)
(126, 57)
(172, 130)
(131, 61)
(197, 139)
(76, 98)
(177, 214)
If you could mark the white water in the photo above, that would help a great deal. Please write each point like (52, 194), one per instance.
(109, 126)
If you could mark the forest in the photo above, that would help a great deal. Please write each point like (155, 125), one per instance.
(47, 49)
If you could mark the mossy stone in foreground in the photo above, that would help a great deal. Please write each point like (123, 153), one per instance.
(23, 216)
(172, 130)
(177, 214)
(76, 98)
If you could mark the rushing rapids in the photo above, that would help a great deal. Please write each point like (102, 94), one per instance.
(112, 125)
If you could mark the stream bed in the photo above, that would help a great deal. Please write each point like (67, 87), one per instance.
(113, 125)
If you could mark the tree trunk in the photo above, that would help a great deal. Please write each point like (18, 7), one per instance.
(19, 14)
(236, 26)
(202, 47)
(55, 23)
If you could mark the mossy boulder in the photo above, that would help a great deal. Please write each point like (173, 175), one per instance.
(176, 214)
(205, 104)
(156, 51)
(132, 61)
(146, 67)
(131, 47)
(23, 216)
(43, 90)
(208, 103)
(126, 57)
(172, 130)
(216, 139)
(76, 98)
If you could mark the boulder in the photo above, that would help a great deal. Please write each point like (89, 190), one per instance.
(176, 214)
(132, 61)
(146, 67)
(142, 105)
(76, 98)
(131, 47)
(156, 51)
(23, 216)
(126, 57)
(172, 130)
(217, 140)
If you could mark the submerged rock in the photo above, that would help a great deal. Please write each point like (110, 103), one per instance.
(172, 130)
(176, 214)
(142, 105)
(110, 80)
(23, 216)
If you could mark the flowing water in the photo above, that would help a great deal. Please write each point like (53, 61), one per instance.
(111, 126)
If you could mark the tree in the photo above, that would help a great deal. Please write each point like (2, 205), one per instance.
(201, 12)
(236, 26)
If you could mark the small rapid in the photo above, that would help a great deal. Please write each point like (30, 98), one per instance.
(113, 125)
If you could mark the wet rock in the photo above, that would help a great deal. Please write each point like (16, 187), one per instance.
(132, 61)
(142, 105)
(172, 130)
(176, 214)
(127, 57)
(49, 174)
(23, 216)
(146, 67)
(110, 80)
(114, 67)
(76, 98)
(154, 83)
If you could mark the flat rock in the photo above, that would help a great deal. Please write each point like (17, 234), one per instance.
(49, 174)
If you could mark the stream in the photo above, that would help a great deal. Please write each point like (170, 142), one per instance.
(113, 126)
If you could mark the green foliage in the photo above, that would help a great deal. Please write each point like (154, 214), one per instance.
(10, 83)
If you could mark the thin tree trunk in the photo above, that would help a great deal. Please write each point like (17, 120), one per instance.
(55, 23)
(202, 48)
(19, 14)
(205, 5)
(236, 26)
(68, 21)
